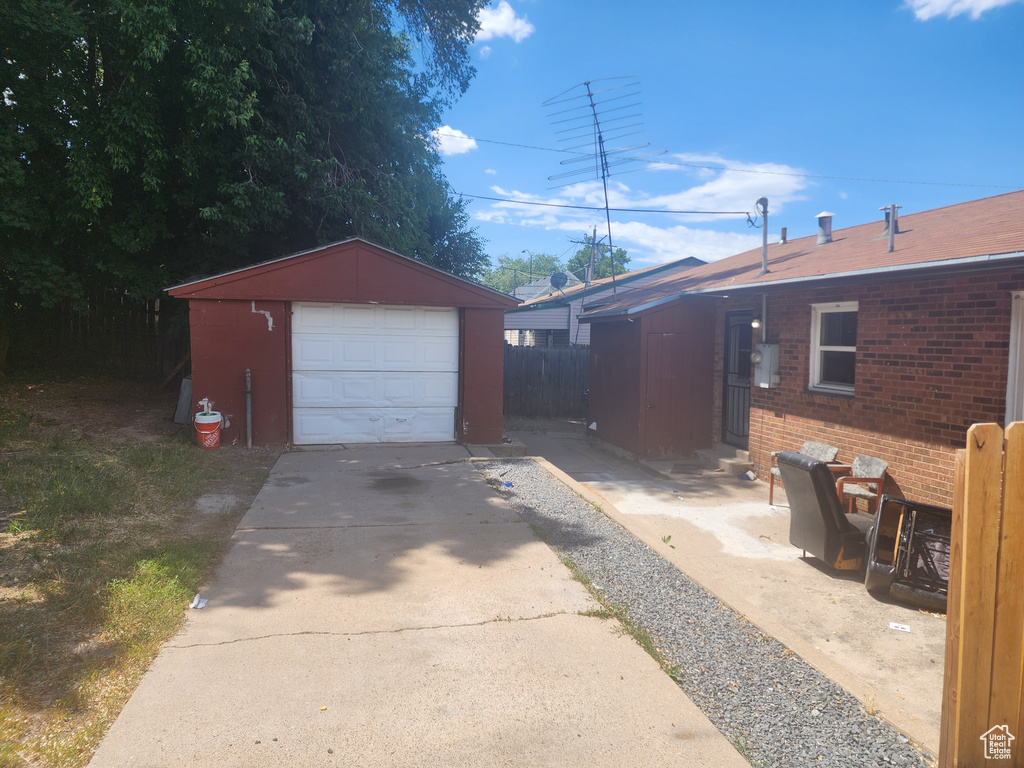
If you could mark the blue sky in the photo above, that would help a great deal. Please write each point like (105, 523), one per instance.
(815, 105)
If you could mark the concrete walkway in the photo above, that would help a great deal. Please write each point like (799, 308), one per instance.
(382, 606)
(724, 535)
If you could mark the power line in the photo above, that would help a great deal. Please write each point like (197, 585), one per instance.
(599, 208)
(682, 164)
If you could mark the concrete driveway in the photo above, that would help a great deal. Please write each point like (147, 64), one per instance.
(382, 606)
(724, 535)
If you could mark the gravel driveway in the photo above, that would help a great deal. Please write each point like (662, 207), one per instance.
(774, 707)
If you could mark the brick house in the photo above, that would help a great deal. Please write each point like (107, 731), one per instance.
(888, 353)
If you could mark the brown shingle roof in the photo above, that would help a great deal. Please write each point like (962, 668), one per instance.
(949, 237)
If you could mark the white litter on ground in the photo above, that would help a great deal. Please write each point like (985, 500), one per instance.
(729, 523)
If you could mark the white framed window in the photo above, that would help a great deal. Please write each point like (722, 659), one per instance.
(1015, 370)
(833, 347)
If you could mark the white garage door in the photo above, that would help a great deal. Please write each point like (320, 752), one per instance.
(364, 373)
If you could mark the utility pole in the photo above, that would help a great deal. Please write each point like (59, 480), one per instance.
(527, 250)
(593, 251)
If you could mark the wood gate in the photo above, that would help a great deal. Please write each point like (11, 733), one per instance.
(983, 688)
(546, 381)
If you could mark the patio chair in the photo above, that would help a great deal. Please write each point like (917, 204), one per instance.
(908, 553)
(866, 481)
(817, 523)
(819, 451)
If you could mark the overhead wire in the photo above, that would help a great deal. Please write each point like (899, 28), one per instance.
(683, 164)
(597, 207)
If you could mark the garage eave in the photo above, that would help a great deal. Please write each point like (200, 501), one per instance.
(353, 270)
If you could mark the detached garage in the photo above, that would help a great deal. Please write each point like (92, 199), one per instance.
(349, 343)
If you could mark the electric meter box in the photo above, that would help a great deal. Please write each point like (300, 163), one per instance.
(765, 359)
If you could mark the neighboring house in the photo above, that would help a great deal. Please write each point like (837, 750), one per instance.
(541, 286)
(552, 320)
(349, 343)
(892, 354)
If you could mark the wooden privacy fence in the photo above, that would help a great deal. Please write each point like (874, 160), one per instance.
(545, 381)
(983, 689)
(111, 334)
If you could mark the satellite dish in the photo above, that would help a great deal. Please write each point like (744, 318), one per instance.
(558, 280)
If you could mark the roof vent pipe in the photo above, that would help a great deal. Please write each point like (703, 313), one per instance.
(825, 227)
(762, 204)
(782, 237)
(892, 224)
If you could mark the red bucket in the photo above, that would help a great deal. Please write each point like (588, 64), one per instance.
(208, 429)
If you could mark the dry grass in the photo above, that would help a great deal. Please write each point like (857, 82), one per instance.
(101, 548)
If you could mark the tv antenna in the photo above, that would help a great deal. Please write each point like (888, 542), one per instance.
(601, 114)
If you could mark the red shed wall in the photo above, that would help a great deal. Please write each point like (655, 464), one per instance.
(932, 359)
(482, 353)
(227, 338)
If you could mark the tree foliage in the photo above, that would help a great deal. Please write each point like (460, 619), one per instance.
(513, 271)
(602, 261)
(141, 143)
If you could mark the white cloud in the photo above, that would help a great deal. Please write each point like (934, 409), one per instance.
(733, 187)
(485, 52)
(490, 171)
(929, 9)
(451, 141)
(705, 183)
(503, 22)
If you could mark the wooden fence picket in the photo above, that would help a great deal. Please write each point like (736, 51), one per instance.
(983, 690)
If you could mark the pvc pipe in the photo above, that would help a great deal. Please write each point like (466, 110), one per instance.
(248, 409)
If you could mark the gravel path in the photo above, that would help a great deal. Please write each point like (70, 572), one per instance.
(772, 705)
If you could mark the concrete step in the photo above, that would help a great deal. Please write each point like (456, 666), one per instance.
(734, 461)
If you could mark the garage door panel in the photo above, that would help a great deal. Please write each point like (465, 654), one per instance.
(320, 353)
(320, 426)
(399, 318)
(434, 354)
(359, 389)
(312, 352)
(440, 322)
(419, 425)
(369, 425)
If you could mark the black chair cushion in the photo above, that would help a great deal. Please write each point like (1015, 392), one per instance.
(817, 522)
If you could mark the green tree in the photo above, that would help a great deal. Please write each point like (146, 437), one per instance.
(602, 261)
(141, 143)
(512, 271)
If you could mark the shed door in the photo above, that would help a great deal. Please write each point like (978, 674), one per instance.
(665, 379)
(366, 373)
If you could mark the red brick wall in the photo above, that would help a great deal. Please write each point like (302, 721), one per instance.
(931, 360)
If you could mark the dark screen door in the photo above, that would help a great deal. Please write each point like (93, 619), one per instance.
(736, 378)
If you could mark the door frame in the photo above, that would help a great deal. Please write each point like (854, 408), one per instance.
(746, 315)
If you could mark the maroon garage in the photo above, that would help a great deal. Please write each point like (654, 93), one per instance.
(349, 343)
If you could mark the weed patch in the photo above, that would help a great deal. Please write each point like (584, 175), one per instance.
(101, 549)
